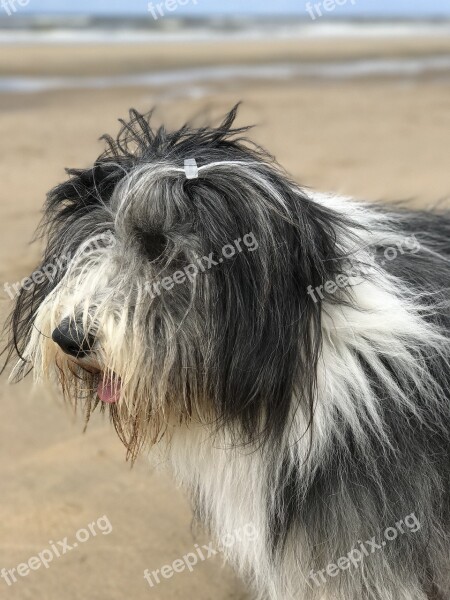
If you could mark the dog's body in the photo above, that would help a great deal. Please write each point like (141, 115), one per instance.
(301, 385)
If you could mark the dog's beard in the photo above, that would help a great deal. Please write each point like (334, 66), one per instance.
(140, 368)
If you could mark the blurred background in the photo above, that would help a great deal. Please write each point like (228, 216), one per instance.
(351, 96)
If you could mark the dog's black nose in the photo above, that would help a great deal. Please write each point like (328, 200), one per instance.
(72, 339)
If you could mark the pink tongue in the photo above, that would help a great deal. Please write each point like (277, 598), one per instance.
(109, 392)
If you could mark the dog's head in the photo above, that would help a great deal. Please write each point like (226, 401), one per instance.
(168, 297)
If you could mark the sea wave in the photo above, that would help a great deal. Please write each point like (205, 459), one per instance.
(180, 31)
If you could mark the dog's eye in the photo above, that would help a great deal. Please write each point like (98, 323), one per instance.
(153, 244)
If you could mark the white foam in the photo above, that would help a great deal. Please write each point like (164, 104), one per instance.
(250, 31)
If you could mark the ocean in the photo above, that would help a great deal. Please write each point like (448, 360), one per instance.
(101, 30)
(19, 29)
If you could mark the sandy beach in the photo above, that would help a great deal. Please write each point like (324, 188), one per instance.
(376, 138)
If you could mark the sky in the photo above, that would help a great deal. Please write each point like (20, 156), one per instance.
(411, 8)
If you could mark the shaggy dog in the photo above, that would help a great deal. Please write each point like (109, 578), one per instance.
(288, 350)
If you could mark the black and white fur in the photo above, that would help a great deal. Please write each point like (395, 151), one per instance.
(321, 423)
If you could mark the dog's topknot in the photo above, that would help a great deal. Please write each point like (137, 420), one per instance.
(138, 143)
(137, 140)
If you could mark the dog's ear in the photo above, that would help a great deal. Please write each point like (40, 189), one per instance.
(270, 337)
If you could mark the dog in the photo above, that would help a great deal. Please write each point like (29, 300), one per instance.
(286, 351)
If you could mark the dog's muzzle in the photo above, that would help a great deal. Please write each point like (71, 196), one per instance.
(72, 339)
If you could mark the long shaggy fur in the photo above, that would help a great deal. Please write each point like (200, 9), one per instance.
(323, 418)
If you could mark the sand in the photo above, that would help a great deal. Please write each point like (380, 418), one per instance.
(376, 139)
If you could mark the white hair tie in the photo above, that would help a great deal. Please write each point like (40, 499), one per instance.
(191, 168)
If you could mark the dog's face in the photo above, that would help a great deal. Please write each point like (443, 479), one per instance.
(168, 299)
